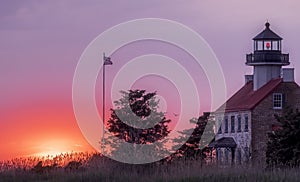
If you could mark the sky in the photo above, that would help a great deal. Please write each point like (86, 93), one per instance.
(41, 43)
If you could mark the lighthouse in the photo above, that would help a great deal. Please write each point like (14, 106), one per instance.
(246, 118)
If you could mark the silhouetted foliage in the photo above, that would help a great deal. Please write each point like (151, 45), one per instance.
(39, 168)
(191, 149)
(73, 166)
(137, 108)
(284, 143)
(99, 168)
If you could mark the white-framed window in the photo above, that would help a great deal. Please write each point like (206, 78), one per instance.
(239, 123)
(246, 154)
(239, 156)
(226, 125)
(219, 154)
(275, 45)
(277, 101)
(260, 45)
(226, 156)
(267, 45)
(232, 124)
(246, 123)
(219, 125)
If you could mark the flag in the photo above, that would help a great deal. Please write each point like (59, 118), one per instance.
(107, 61)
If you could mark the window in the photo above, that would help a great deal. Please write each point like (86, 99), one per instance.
(239, 156)
(219, 154)
(267, 45)
(232, 124)
(226, 156)
(239, 124)
(226, 124)
(259, 45)
(275, 45)
(219, 125)
(277, 101)
(246, 153)
(246, 123)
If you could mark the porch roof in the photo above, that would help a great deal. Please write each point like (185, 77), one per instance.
(225, 142)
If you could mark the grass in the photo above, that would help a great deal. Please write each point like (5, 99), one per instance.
(93, 167)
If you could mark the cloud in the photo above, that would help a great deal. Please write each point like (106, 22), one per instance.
(78, 145)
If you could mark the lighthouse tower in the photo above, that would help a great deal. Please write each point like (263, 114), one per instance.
(267, 58)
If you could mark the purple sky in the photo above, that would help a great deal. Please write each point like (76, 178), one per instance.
(41, 41)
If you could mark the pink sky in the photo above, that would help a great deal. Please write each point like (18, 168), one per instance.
(41, 42)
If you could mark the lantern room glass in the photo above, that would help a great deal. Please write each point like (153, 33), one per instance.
(267, 45)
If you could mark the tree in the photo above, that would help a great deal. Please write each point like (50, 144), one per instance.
(137, 108)
(283, 147)
(191, 149)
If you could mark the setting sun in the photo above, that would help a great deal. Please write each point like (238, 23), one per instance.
(57, 147)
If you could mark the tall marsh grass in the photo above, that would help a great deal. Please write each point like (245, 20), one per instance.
(94, 167)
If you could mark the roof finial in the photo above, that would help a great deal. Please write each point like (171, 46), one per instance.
(267, 24)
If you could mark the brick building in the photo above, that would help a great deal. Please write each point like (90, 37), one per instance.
(246, 118)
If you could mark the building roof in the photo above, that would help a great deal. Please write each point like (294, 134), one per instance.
(267, 34)
(225, 142)
(246, 98)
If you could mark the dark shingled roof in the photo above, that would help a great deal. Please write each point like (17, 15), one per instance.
(225, 142)
(246, 98)
(267, 34)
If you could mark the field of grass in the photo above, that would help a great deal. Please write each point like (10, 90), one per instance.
(93, 167)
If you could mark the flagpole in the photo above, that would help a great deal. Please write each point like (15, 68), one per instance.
(106, 61)
(103, 106)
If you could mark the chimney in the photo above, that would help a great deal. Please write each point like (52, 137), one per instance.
(288, 74)
(248, 78)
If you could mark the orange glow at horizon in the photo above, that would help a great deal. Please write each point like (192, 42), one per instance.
(46, 129)
(56, 147)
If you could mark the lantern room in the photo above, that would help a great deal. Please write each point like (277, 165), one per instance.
(267, 40)
(267, 49)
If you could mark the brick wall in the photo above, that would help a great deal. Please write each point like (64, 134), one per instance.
(263, 119)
